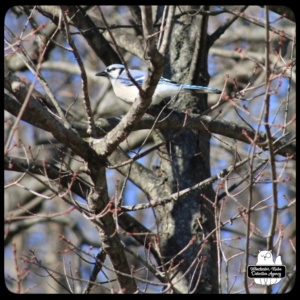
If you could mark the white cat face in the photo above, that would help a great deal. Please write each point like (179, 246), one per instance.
(265, 258)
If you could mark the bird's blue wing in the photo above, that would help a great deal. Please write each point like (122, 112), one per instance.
(128, 82)
(140, 79)
(188, 87)
(137, 75)
(163, 80)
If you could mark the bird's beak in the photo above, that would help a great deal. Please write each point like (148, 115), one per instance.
(103, 73)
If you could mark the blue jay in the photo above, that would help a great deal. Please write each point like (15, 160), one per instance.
(125, 89)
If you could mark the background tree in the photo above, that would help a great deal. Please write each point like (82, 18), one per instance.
(182, 195)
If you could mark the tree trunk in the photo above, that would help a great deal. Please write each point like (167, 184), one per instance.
(185, 162)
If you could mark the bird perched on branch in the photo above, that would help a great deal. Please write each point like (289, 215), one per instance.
(126, 90)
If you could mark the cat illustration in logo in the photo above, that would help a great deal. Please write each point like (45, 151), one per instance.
(266, 258)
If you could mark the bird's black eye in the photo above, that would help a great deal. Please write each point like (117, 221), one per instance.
(112, 69)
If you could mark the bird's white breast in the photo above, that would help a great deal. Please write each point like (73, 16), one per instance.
(125, 93)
